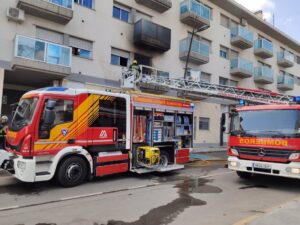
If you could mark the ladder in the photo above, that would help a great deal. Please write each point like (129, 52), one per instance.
(202, 89)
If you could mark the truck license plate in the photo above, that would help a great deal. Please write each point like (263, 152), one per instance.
(262, 166)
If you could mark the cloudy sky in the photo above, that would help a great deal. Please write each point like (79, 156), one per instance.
(286, 14)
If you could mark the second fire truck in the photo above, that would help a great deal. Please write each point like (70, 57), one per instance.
(73, 135)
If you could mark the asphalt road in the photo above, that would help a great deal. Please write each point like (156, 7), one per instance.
(203, 193)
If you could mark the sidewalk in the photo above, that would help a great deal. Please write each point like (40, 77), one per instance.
(287, 214)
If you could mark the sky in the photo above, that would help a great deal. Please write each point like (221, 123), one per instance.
(286, 14)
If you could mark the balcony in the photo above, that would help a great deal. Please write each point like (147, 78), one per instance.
(241, 68)
(285, 82)
(59, 11)
(37, 55)
(285, 59)
(241, 37)
(194, 13)
(152, 36)
(158, 5)
(263, 75)
(263, 48)
(199, 53)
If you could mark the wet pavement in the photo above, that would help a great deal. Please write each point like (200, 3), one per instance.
(203, 193)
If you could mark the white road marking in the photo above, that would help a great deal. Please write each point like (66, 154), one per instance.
(99, 193)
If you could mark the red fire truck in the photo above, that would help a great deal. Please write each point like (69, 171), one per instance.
(265, 140)
(73, 135)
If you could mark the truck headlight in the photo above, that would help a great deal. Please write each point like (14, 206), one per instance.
(234, 151)
(294, 156)
(21, 165)
(293, 170)
(234, 164)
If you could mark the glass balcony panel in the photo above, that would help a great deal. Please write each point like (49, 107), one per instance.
(38, 50)
(30, 49)
(64, 3)
(265, 44)
(242, 32)
(58, 55)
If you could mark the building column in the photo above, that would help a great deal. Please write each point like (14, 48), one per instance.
(2, 72)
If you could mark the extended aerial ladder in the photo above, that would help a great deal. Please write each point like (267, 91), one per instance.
(154, 78)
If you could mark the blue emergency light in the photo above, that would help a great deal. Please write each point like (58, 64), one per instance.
(242, 102)
(296, 99)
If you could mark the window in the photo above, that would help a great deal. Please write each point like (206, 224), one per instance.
(112, 113)
(297, 81)
(203, 123)
(142, 59)
(86, 3)
(82, 48)
(49, 35)
(224, 21)
(298, 60)
(233, 23)
(205, 77)
(63, 113)
(121, 13)
(224, 52)
(227, 82)
(119, 57)
(234, 54)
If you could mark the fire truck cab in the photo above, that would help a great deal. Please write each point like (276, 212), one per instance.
(265, 139)
(75, 134)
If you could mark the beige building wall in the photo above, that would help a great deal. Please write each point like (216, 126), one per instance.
(98, 26)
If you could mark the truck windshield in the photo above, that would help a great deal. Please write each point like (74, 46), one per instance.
(266, 123)
(23, 114)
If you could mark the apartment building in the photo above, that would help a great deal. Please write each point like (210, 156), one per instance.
(86, 43)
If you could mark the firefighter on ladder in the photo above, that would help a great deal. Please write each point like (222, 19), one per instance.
(135, 70)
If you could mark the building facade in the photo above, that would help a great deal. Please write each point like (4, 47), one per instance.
(86, 44)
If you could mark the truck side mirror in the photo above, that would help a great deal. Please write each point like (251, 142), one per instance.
(223, 119)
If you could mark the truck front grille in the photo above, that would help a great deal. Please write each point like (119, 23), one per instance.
(263, 152)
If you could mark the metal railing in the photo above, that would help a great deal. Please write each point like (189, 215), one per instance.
(263, 71)
(240, 63)
(197, 47)
(265, 44)
(42, 51)
(239, 31)
(195, 7)
(285, 55)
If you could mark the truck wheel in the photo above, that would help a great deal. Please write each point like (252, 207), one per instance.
(244, 175)
(164, 159)
(72, 172)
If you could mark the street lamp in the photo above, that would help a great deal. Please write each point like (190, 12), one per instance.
(190, 46)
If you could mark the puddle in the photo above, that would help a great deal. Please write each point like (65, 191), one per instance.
(253, 186)
(168, 213)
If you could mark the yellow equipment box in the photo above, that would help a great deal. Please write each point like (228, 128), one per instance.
(147, 155)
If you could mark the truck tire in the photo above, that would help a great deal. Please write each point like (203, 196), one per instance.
(244, 175)
(71, 171)
(164, 158)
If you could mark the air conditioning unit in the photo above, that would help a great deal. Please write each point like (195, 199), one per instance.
(244, 22)
(15, 14)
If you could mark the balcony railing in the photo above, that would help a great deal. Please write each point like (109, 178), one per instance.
(241, 37)
(241, 67)
(263, 48)
(199, 53)
(285, 59)
(59, 11)
(263, 75)
(42, 51)
(285, 82)
(194, 13)
(151, 35)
